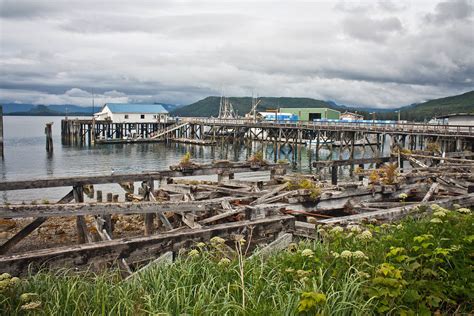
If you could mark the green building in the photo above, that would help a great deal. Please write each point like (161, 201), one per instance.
(310, 114)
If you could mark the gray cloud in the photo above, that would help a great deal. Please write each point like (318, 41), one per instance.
(365, 53)
(366, 28)
(452, 10)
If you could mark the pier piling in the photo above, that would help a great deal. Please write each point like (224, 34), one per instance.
(49, 137)
(1, 131)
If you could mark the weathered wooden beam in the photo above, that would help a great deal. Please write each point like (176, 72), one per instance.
(431, 192)
(273, 192)
(348, 162)
(139, 248)
(75, 209)
(397, 212)
(281, 243)
(164, 259)
(120, 178)
(124, 267)
(28, 229)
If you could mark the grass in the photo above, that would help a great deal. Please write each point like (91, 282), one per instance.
(420, 266)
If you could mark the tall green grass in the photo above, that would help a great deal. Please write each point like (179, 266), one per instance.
(203, 285)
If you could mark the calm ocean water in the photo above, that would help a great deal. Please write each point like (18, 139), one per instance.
(26, 157)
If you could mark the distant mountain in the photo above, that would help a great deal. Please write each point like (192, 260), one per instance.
(463, 103)
(416, 112)
(16, 107)
(46, 110)
(210, 105)
(59, 109)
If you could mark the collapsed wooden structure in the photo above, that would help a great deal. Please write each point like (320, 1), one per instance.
(176, 212)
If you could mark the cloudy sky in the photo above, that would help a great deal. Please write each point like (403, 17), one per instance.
(366, 53)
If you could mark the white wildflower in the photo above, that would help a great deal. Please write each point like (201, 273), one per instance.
(464, 210)
(302, 273)
(439, 213)
(201, 245)
(337, 229)
(217, 241)
(31, 306)
(359, 255)
(354, 228)
(436, 220)
(456, 206)
(223, 262)
(365, 235)
(193, 253)
(5, 276)
(402, 196)
(346, 254)
(335, 254)
(307, 253)
(434, 207)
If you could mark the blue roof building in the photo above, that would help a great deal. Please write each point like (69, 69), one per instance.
(132, 113)
(135, 108)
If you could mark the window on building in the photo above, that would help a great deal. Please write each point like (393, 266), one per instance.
(142, 116)
(155, 116)
(126, 116)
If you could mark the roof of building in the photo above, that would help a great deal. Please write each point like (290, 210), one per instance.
(135, 108)
(309, 109)
(455, 114)
(352, 113)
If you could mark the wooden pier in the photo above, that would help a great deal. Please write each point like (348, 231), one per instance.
(176, 212)
(320, 134)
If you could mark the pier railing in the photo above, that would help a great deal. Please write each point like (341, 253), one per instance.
(403, 127)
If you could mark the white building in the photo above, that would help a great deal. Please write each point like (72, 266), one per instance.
(349, 116)
(133, 113)
(457, 119)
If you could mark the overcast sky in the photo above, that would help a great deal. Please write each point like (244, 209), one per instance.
(365, 53)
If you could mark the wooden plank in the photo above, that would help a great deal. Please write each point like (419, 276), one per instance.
(28, 229)
(348, 162)
(161, 216)
(139, 248)
(164, 259)
(124, 267)
(281, 243)
(431, 192)
(270, 194)
(120, 178)
(397, 212)
(81, 225)
(74, 209)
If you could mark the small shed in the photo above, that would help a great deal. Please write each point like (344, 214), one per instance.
(311, 114)
(457, 119)
(349, 116)
(133, 113)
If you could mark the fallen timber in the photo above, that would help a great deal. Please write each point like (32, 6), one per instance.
(142, 248)
(178, 213)
(212, 169)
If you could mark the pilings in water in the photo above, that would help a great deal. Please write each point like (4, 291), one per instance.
(1, 131)
(49, 137)
(91, 131)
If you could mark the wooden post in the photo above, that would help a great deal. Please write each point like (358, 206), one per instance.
(92, 140)
(82, 233)
(1, 131)
(361, 168)
(49, 137)
(334, 175)
(148, 218)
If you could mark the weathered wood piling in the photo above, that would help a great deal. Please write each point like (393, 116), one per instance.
(49, 137)
(1, 132)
